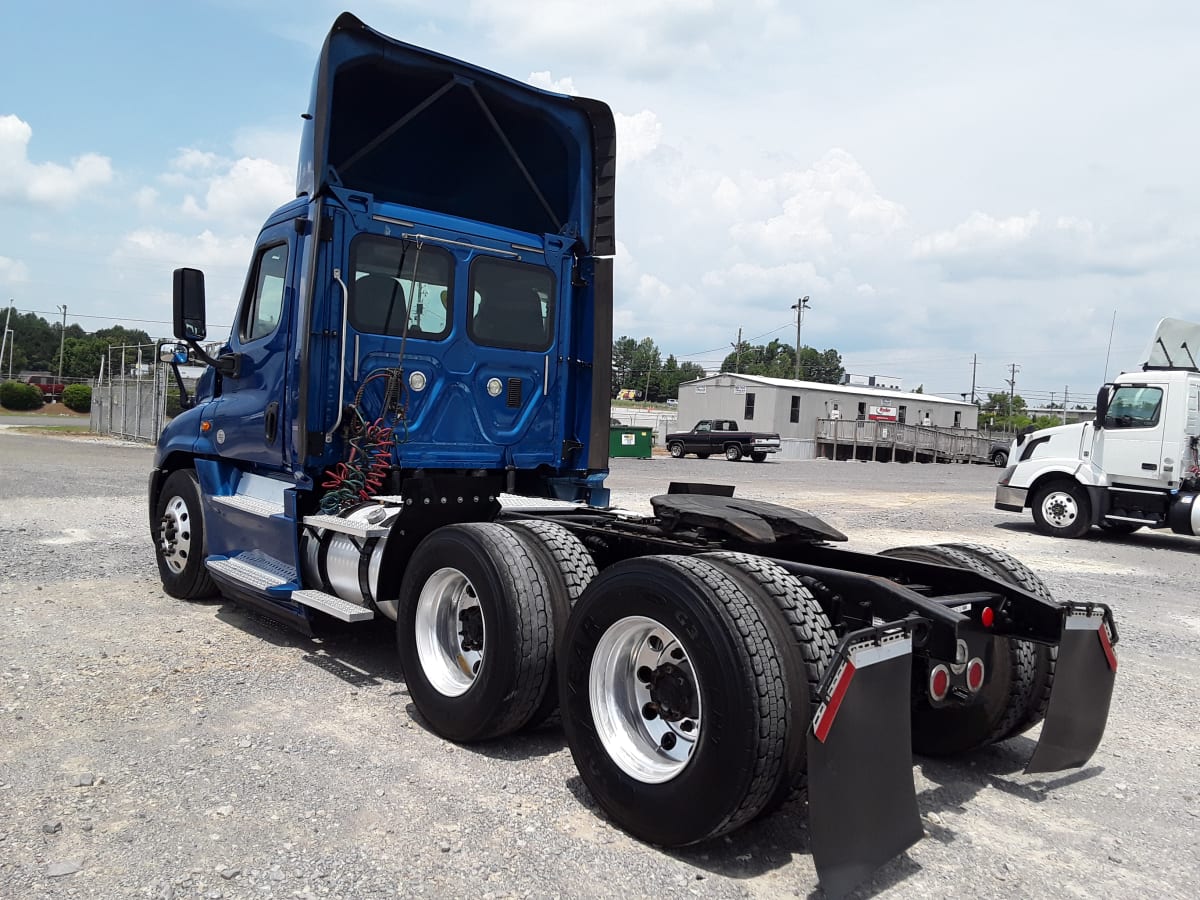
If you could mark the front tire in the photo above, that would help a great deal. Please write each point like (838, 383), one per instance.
(1000, 459)
(673, 699)
(733, 453)
(179, 544)
(475, 632)
(676, 449)
(1062, 509)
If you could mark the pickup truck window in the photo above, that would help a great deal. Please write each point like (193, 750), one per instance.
(260, 315)
(702, 426)
(394, 280)
(513, 304)
(1134, 407)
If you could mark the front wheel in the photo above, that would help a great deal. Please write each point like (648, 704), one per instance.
(674, 699)
(1000, 459)
(1062, 509)
(676, 449)
(733, 453)
(179, 538)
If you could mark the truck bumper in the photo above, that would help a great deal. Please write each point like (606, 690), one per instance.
(1011, 498)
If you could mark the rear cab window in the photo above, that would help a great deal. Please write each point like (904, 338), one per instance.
(512, 304)
(398, 285)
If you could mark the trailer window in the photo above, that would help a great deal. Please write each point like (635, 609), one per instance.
(260, 315)
(795, 417)
(1134, 407)
(749, 408)
(396, 282)
(512, 304)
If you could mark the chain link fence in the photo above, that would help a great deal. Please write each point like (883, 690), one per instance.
(129, 398)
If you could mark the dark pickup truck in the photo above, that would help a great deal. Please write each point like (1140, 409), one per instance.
(710, 436)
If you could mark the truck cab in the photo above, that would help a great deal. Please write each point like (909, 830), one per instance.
(1136, 465)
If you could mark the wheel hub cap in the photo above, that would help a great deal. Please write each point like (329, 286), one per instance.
(175, 534)
(1060, 510)
(645, 699)
(450, 631)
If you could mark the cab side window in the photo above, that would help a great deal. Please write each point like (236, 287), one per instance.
(260, 316)
(1134, 407)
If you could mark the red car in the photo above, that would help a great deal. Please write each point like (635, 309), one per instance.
(51, 387)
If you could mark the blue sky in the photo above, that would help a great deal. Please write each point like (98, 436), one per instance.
(942, 179)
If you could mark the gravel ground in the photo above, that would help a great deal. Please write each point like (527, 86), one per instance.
(153, 748)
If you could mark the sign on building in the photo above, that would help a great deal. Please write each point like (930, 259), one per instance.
(882, 414)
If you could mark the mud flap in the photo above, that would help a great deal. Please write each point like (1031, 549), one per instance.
(1083, 685)
(862, 804)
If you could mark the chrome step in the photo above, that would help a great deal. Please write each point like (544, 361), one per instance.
(253, 505)
(334, 606)
(352, 527)
(254, 569)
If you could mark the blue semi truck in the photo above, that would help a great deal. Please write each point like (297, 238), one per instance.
(410, 421)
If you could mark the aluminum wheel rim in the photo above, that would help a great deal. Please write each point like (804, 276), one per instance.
(175, 534)
(446, 606)
(1060, 509)
(645, 747)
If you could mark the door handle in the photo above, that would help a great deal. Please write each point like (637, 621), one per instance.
(271, 421)
(1149, 467)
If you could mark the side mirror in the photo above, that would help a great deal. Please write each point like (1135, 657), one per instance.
(188, 301)
(1102, 399)
(173, 354)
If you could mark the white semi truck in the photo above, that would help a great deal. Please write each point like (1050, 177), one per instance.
(1136, 465)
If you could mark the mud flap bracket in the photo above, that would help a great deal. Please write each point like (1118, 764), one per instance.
(1084, 677)
(862, 803)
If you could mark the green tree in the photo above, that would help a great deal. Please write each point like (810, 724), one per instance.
(998, 412)
(778, 360)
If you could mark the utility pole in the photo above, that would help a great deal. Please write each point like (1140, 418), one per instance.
(799, 306)
(4, 341)
(737, 348)
(1012, 390)
(1066, 389)
(974, 363)
(62, 334)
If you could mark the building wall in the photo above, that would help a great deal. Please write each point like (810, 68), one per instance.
(724, 397)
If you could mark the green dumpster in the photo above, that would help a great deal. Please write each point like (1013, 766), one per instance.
(625, 440)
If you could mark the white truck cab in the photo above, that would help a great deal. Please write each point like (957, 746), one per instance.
(1136, 465)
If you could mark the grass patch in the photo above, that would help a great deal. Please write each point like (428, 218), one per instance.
(51, 429)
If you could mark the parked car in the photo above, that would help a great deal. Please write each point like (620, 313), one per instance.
(50, 386)
(998, 453)
(709, 436)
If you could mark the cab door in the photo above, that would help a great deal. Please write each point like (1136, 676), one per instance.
(250, 414)
(1131, 448)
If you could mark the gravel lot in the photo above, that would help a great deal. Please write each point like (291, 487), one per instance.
(153, 748)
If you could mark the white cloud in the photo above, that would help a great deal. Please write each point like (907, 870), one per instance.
(637, 136)
(647, 38)
(245, 192)
(983, 246)
(205, 249)
(44, 184)
(544, 81)
(12, 271)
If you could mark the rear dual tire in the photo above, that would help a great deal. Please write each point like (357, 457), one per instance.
(675, 698)
(475, 632)
(1020, 675)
